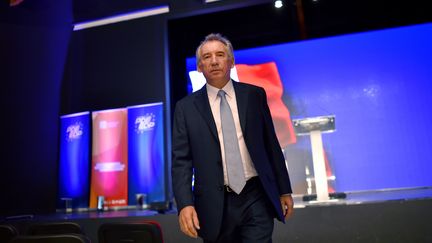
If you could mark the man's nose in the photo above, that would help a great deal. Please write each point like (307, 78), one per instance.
(214, 60)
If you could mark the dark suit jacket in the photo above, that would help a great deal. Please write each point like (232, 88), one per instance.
(196, 151)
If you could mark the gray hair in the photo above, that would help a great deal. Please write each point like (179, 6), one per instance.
(215, 37)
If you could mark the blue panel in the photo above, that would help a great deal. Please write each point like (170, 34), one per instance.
(75, 158)
(377, 84)
(146, 152)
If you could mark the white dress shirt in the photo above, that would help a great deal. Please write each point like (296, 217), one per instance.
(214, 100)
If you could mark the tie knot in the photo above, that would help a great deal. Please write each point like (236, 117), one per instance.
(221, 93)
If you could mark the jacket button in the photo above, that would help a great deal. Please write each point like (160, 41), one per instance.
(220, 188)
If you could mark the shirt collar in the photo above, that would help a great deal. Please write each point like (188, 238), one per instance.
(213, 91)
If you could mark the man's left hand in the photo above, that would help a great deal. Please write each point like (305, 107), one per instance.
(287, 205)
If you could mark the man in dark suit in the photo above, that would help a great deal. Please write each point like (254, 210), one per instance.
(216, 208)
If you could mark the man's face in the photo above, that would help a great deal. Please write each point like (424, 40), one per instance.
(215, 63)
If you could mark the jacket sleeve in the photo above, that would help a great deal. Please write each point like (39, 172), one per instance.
(274, 150)
(181, 169)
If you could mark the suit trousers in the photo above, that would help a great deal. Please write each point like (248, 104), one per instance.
(248, 217)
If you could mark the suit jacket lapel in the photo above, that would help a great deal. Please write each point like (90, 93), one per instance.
(202, 103)
(242, 100)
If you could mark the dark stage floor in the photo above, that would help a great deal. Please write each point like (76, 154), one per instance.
(401, 215)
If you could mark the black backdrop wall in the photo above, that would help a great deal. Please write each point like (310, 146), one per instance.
(48, 70)
(115, 66)
(33, 44)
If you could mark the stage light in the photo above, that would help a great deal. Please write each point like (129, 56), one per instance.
(278, 4)
(122, 17)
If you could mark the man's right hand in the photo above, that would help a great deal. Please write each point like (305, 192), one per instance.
(188, 220)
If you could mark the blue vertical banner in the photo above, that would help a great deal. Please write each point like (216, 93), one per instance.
(74, 163)
(146, 152)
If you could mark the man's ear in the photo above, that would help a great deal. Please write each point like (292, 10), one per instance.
(199, 69)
